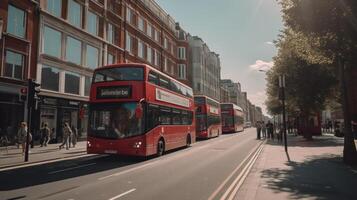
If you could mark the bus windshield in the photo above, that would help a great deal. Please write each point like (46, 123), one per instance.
(115, 121)
(119, 74)
(227, 120)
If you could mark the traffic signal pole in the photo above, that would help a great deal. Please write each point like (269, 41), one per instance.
(32, 99)
(282, 98)
(29, 112)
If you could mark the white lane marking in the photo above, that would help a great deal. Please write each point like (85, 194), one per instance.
(122, 194)
(244, 176)
(241, 174)
(234, 171)
(71, 168)
(49, 161)
(165, 159)
(127, 171)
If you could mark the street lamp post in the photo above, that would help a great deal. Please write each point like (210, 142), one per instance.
(282, 98)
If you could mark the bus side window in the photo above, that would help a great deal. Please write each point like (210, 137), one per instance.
(164, 82)
(176, 117)
(165, 115)
(153, 78)
(185, 117)
(152, 116)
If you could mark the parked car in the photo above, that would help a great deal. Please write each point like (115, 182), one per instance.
(247, 124)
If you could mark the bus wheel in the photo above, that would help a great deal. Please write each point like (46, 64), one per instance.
(160, 147)
(188, 140)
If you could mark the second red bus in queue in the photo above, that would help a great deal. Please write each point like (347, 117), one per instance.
(208, 119)
(135, 109)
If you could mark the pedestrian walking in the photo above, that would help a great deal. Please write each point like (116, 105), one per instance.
(22, 136)
(67, 132)
(46, 134)
(270, 129)
(74, 135)
(264, 130)
(259, 128)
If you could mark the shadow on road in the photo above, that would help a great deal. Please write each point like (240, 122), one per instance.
(321, 177)
(41, 174)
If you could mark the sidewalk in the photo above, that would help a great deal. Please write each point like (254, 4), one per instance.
(311, 170)
(14, 157)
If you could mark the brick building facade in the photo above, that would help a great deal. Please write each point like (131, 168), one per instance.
(18, 51)
(68, 39)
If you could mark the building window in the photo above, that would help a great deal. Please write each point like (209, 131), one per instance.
(110, 59)
(156, 58)
(50, 78)
(54, 7)
(128, 15)
(52, 42)
(92, 23)
(156, 35)
(92, 57)
(71, 84)
(14, 66)
(74, 50)
(87, 83)
(172, 48)
(182, 71)
(128, 42)
(149, 30)
(172, 67)
(141, 49)
(75, 13)
(165, 64)
(141, 23)
(16, 22)
(182, 53)
(149, 54)
(165, 43)
(110, 33)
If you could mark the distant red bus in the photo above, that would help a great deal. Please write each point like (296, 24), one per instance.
(208, 119)
(232, 118)
(135, 109)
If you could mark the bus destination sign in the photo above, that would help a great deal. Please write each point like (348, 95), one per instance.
(113, 92)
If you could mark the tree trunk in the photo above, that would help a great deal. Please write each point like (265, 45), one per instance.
(349, 150)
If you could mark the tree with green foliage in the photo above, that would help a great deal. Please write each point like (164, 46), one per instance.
(308, 83)
(332, 25)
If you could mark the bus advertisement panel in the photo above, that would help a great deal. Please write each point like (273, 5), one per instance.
(208, 119)
(135, 109)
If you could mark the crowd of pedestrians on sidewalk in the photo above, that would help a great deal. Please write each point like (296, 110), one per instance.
(266, 130)
(70, 136)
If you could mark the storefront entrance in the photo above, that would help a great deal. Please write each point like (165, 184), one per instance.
(55, 112)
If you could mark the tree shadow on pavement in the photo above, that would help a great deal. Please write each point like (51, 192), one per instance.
(322, 177)
(318, 141)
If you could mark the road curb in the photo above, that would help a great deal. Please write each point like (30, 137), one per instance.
(35, 163)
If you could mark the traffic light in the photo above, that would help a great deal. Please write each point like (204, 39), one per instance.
(23, 94)
(33, 91)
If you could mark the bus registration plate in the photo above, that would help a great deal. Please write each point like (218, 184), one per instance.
(111, 151)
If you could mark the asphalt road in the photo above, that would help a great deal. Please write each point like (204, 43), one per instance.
(196, 173)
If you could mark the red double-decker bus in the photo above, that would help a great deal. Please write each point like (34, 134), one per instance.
(232, 118)
(208, 118)
(137, 110)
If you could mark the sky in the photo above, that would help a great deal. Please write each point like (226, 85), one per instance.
(240, 31)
